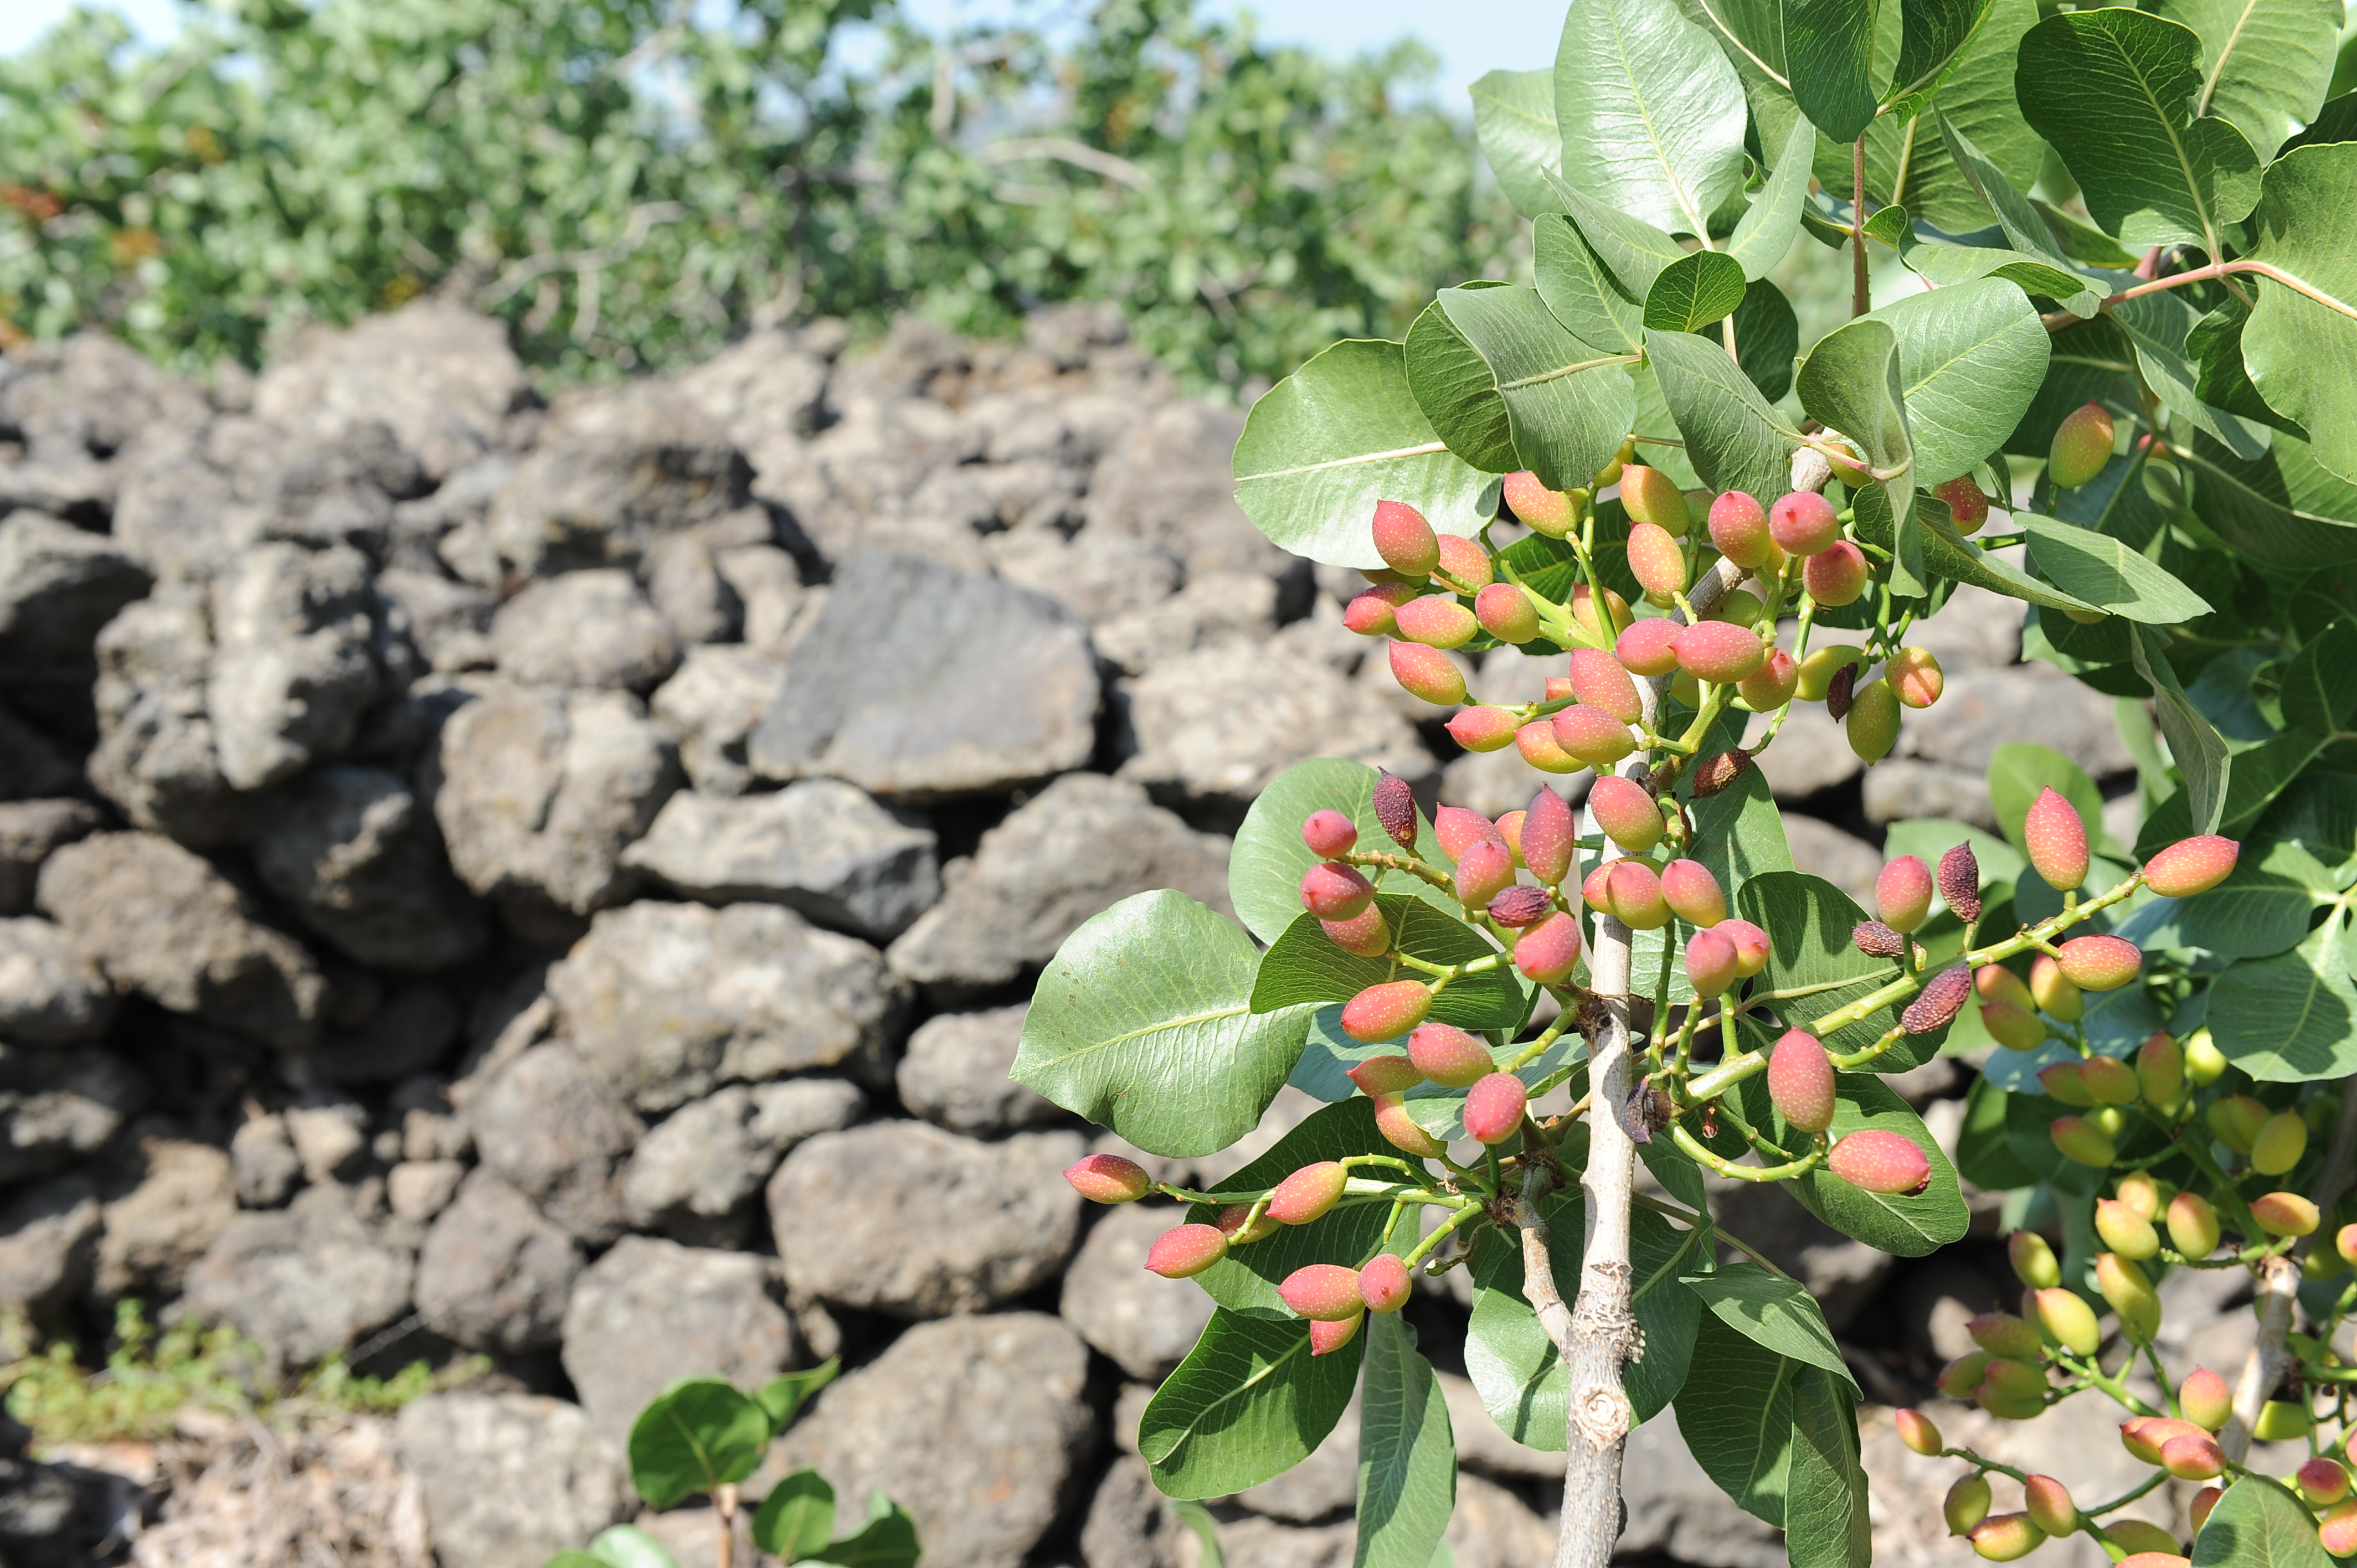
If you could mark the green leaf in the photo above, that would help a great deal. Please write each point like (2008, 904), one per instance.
(1633, 249)
(1825, 1522)
(2220, 378)
(1767, 338)
(1911, 1227)
(1946, 266)
(1814, 967)
(1567, 404)
(1453, 387)
(1851, 382)
(1829, 50)
(2101, 570)
(888, 1539)
(2018, 773)
(2266, 62)
(1947, 553)
(1909, 164)
(1693, 292)
(1336, 437)
(1514, 1367)
(782, 1398)
(697, 1434)
(2193, 741)
(574, 1559)
(2319, 686)
(1999, 192)
(2159, 326)
(1264, 866)
(797, 1518)
(2112, 90)
(1206, 1531)
(1407, 1456)
(1245, 1282)
(2262, 908)
(1652, 114)
(2291, 1017)
(1247, 1405)
(2302, 353)
(2093, 362)
(1143, 1023)
(2257, 1525)
(1765, 234)
(1985, 1155)
(1303, 966)
(1735, 441)
(1934, 39)
(1775, 1311)
(1513, 119)
(1971, 359)
(1580, 290)
(1738, 1423)
(2282, 508)
(628, 1546)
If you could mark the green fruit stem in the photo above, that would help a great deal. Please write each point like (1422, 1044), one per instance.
(1728, 1168)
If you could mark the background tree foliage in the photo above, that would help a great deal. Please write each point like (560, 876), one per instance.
(628, 182)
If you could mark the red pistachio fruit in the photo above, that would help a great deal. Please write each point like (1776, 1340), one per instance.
(2081, 1140)
(1403, 1131)
(1483, 871)
(1966, 1503)
(2190, 865)
(2137, 1538)
(2100, 963)
(1648, 648)
(1483, 728)
(1836, 576)
(1916, 1430)
(1387, 1010)
(1428, 673)
(2049, 1505)
(1329, 835)
(2338, 1532)
(1598, 681)
(1108, 1178)
(1873, 1160)
(1653, 499)
(1616, 613)
(1802, 522)
(1738, 526)
(1692, 893)
(1506, 613)
(2153, 1559)
(2284, 1214)
(1459, 830)
(1914, 673)
(2016, 1027)
(2344, 1241)
(1959, 878)
(2197, 1512)
(1547, 511)
(1385, 1075)
(1998, 983)
(1384, 1283)
(1801, 1081)
(1231, 1224)
(2056, 839)
(2002, 1537)
(2056, 996)
(1370, 614)
(1629, 816)
(1325, 1338)
(1310, 1193)
(1406, 540)
(1186, 1251)
(1710, 964)
(1771, 685)
(2011, 1390)
(2193, 1226)
(1635, 895)
(1465, 560)
(1546, 953)
(1715, 652)
(1960, 1377)
(1332, 891)
(1942, 998)
(1493, 1108)
(1550, 837)
(1656, 562)
(1591, 735)
(1521, 904)
(1750, 945)
(2108, 1080)
(2002, 1334)
(1876, 940)
(1437, 621)
(1966, 505)
(1902, 893)
(2083, 444)
(1536, 742)
(1324, 1292)
(2205, 1399)
(2194, 1457)
(1394, 803)
(2323, 1482)
(1448, 1055)
(1365, 933)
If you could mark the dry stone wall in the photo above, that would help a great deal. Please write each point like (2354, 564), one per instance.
(561, 882)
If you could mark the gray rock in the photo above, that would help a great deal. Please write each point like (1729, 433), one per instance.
(668, 1000)
(974, 1425)
(1496, 782)
(918, 681)
(1899, 786)
(1224, 606)
(537, 791)
(442, 377)
(185, 1196)
(699, 1168)
(1102, 575)
(1218, 724)
(1677, 1509)
(767, 587)
(303, 1282)
(954, 1074)
(584, 629)
(688, 593)
(328, 1131)
(1492, 1527)
(1029, 885)
(57, 1108)
(48, 1242)
(155, 757)
(1256, 1542)
(413, 1031)
(58, 587)
(418, 1190)
(51, 993)
(1131, 1524)
(1120, 1308)
(822, 846)
(354, 852)
(710, 707)
(1323, 1485)
(552, 1128)
(493, 1274)
(293, 666)
(30, 763)
(53, 1515)
(450, 622)
(161, 921)
(510, 1480)
(1811, 754)
(960, 1227)
(62, 484)
(616, 468)
(649, 1313)
(264, 1161)
(1168, 481)
(90, 394)
(1820, 849)
(1841, 1272)
(1975, 629)
(30, 830)
(1481, 1446)
(767, 383)
(2035, 704)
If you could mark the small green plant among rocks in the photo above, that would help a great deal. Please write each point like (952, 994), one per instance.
(2126, 219)
(703, 1437)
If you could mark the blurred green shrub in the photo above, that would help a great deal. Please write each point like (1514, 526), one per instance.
(630, 181)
